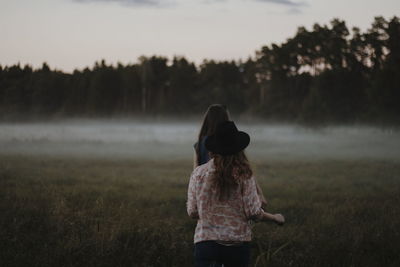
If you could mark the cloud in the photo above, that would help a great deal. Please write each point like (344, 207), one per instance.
(150, 3)
(294, 7)
(284, 2)
(213, 1)
(294, 11)
(293, 4)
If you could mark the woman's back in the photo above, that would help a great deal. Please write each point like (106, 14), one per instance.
(203, 154)
(222, 196)
(223, 220)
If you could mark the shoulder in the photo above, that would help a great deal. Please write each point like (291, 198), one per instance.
(249, 182)
(204, 169)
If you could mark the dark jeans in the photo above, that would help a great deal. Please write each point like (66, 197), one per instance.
(210, 254)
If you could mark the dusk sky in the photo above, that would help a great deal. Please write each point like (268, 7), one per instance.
(70, 34)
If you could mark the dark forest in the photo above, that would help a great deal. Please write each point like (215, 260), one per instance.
(327, 74)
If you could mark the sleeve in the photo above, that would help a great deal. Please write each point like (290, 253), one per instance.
(191, 204)
(251, 200)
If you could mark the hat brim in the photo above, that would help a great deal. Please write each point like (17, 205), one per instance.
(241, 141)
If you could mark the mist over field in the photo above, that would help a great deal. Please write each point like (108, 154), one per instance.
(98, 126)
(172, 139)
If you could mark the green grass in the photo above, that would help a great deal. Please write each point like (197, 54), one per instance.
(97, 212)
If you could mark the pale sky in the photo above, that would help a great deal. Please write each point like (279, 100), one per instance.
(70, 34)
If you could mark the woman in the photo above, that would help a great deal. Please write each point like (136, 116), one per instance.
(215, 114)
(222, 196)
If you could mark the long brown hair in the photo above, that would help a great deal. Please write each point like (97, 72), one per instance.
(215, 114)
(229, 173)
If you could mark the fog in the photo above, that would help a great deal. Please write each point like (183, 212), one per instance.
(174, 140)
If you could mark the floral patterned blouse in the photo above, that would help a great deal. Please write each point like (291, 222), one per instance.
(228, 220)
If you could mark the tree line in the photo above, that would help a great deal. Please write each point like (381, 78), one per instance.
(327, 74)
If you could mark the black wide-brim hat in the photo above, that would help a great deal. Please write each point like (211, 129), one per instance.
(227, 140)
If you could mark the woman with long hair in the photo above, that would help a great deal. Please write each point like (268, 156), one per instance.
(214, 115)
(222, 196)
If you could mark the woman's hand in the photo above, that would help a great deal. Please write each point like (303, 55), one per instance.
(279, 219)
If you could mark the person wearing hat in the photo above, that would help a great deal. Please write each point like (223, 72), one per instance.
(222, 196)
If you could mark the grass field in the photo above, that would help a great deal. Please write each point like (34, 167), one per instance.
(58, 211)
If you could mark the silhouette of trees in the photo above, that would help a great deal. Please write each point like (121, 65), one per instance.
(326, 74)
(221, 82)
(182, 86)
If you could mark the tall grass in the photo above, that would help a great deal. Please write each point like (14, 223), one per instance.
(92, 212)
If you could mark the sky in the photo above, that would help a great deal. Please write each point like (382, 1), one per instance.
(74, 34)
